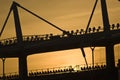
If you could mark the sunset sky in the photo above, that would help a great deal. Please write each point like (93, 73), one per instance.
(68, 15)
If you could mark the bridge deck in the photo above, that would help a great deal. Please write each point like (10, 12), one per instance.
(98, 74)
(46, 43)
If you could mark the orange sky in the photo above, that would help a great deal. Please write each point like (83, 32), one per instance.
(68, 15)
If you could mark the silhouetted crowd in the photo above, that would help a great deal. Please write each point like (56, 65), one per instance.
(33, 38)
(58, 70)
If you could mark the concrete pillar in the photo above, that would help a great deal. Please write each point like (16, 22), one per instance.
(110, 61)
(22, 57)
(17, 23)
(23, 67)
(105, 16)
(119, 69)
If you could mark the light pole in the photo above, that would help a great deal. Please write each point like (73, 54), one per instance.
(92, 48)
(3, 60)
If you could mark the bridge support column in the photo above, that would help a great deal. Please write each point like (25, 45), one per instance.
(23, 73)
(111, 71)
(22, 57)
(110, 61)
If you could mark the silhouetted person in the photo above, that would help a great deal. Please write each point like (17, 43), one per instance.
(94, 29)
(76, 32)
(82, 31)
(72, 32)
(118, 25)
(36, 38)
(47, 36)
(32, 38)
(6, 42)
(113, 26)
(51, 35)
(89, 30)
(98, 28)
(10, 41)
(27, 38)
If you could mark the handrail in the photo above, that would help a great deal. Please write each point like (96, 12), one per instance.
(57, 68)
(29, 38)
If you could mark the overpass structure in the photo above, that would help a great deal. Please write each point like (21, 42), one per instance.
(23, 45)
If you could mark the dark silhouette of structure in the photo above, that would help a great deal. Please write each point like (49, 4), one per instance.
(22, 46)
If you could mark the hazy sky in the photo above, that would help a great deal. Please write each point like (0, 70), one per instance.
(68, 15)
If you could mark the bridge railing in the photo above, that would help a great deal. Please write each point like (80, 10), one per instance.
(58, 70)
(66, 69)
(31, 38)
(9, 76)
(115, 26)
(8, 41)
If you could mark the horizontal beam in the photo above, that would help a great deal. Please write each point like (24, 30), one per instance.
(71, 42)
